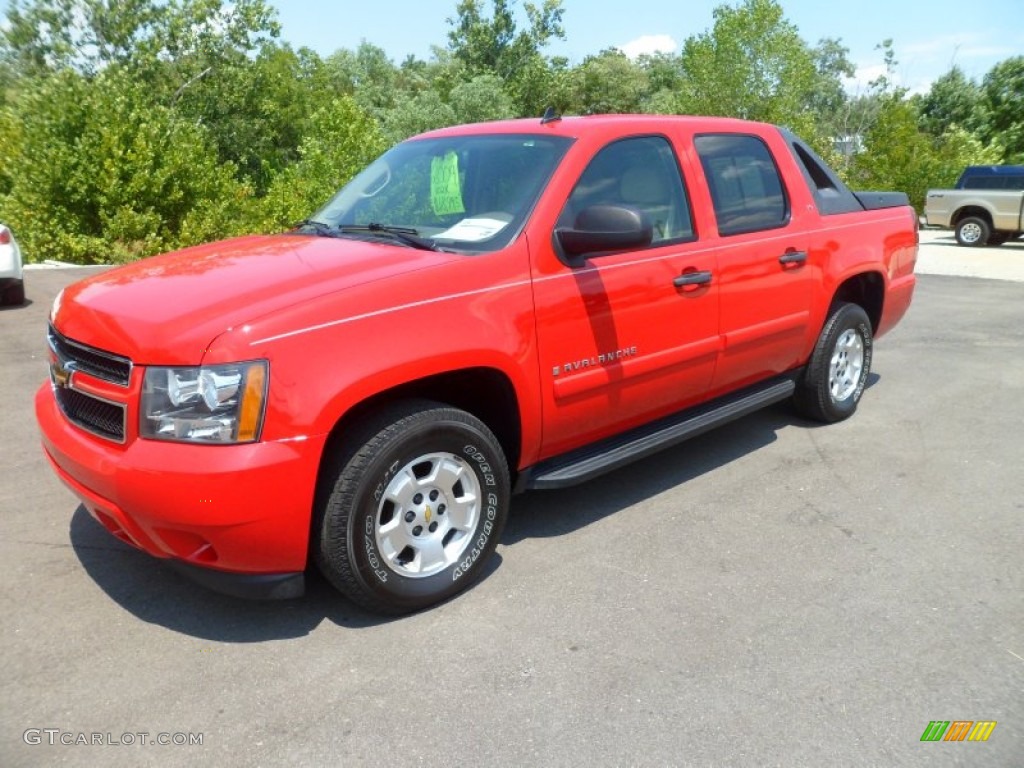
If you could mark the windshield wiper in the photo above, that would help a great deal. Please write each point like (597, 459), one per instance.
(407, 235)
(318, 227)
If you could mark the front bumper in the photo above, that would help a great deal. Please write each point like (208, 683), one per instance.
(236, 515)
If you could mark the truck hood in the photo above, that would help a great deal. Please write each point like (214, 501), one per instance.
(167, 310)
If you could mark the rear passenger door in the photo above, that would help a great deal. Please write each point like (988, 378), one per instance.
(766, 283)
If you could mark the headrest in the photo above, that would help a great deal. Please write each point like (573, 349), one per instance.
(643, 186)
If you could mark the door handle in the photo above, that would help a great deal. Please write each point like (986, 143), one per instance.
(793, 257)
(692, 278)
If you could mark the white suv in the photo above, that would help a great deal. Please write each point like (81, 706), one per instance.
(12, 276)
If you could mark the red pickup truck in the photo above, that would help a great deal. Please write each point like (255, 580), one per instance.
(485, 309)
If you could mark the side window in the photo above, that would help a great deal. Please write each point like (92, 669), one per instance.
(983, 182)
(746, 189)
(994, 182)
(639, 173)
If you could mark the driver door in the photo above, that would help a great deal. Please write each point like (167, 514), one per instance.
(625, 336)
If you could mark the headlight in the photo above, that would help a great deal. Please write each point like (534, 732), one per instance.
(209, 404)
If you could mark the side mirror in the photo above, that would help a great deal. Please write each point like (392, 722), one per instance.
(605, 228)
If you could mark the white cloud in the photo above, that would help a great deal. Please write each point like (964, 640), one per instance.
(861, 80)
(953, 47)
(649, 44)
(860, 83)
(922, 61)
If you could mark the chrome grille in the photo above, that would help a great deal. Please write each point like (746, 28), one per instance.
(95, 362)
(100, 417)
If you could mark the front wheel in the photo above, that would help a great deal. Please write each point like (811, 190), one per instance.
(413, 509)
(837, 373)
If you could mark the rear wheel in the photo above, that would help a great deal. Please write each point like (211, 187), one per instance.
(413, 508)
(973, 231)
(837, 373)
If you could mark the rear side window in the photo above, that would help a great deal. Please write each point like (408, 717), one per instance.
(746, 188)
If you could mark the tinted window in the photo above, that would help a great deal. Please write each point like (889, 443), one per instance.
(639, 173)
(994, 182)
(983, 182)
(746, 189)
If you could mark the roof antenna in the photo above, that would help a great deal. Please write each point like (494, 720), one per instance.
(550, 116)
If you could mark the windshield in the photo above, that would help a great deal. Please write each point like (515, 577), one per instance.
(464, 193)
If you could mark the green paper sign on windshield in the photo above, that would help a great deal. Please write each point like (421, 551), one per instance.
(445, 190)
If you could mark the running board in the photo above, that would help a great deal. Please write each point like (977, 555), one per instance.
(585, 463)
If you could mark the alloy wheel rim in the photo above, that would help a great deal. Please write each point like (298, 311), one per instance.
(846, 366)
(970, 233)
(427, 515)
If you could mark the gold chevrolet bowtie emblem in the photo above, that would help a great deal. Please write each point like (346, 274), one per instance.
(61, 374)
(426, 515)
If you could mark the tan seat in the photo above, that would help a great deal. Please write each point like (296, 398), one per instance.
(645, 188)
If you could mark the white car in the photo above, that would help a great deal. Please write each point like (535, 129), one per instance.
(12, 276)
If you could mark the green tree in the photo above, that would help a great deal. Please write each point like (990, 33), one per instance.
(899, 156)
(341, 141)
(952, 100)
(424, 111)
(85, 35)
(255, 108)
(753, 64)
(827, 99)
(104, 174)
(610, 83)
(367, 75)
(212, 60)
(497, 46)
(482, 98)
(140, 35)
(7, 82)
(1003, 98)
(665, 78)
(857, 114)
(957, 148)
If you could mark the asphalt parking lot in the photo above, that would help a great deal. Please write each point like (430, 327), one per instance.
(773, 593)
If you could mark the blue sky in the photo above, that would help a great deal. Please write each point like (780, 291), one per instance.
(928, 36)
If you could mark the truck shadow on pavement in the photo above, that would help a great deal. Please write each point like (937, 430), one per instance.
(158, 595)
(541, 514)
(155, 593)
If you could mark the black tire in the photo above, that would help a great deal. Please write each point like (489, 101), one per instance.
(361, 521)
(973, 231)
(14, 295)
(998, 238)
(834, 380)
